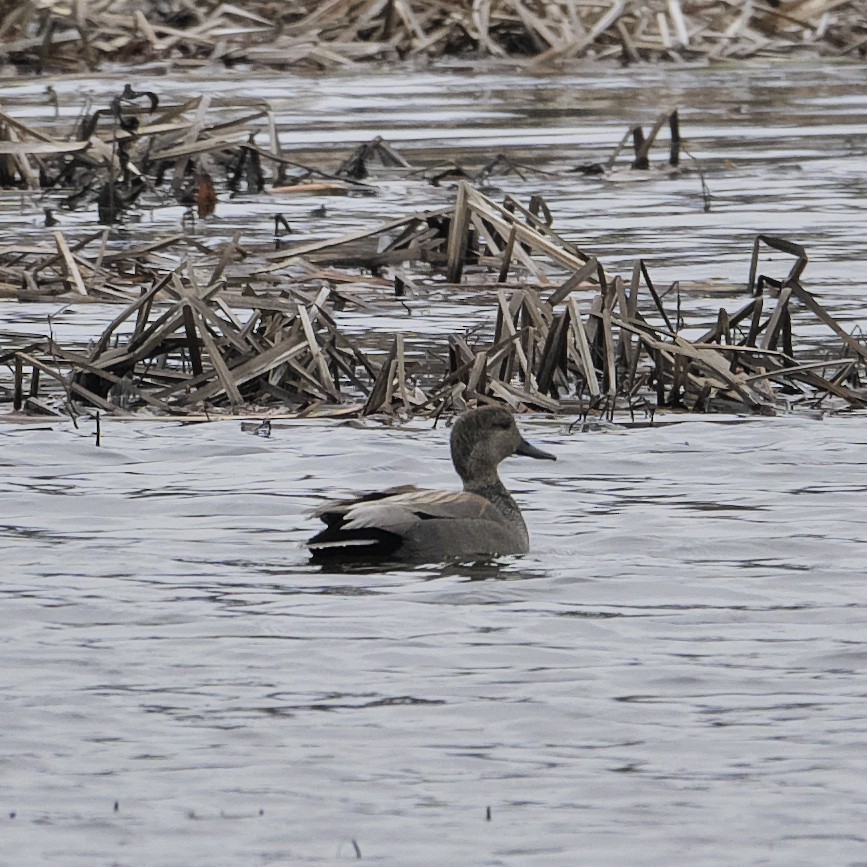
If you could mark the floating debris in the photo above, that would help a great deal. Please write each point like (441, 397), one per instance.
(143, 151)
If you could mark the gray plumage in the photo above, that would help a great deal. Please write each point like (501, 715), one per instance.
(422, 525)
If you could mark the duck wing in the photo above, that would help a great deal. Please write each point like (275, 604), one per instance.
(377, 524)
(402, 511)
(339, 507)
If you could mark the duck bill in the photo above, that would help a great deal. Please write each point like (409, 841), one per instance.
(529, 451)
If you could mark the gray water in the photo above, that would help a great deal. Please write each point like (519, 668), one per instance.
(677, 672)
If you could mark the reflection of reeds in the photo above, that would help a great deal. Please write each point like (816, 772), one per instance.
(315, 34)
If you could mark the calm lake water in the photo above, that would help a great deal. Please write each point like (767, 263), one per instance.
(677, 672)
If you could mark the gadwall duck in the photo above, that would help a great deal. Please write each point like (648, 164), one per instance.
(424, 526)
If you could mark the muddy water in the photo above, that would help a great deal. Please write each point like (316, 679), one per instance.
(675, 674)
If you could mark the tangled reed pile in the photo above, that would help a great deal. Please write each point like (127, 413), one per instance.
(321, 34)
(563, 337)
(232, 328)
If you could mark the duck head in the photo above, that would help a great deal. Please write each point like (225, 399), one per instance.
(483, 437)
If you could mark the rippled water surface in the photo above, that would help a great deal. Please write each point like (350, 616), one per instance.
(678, 667)
(676, 674)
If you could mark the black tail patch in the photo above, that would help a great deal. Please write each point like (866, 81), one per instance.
(366, 544)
